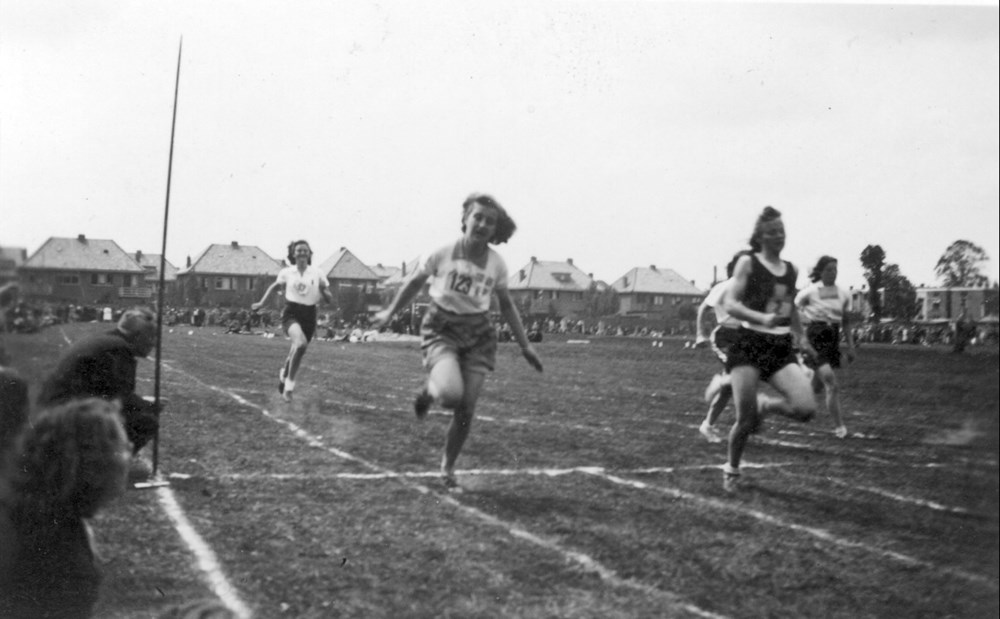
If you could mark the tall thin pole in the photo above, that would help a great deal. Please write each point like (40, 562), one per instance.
(163, 264)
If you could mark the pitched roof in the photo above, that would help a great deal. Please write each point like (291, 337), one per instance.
(147, 261)
(549, 275)
(653, 280)
(234, 259)
(17, 255)
(400, 275)
(384, 272)
(82, 254)
(345, 265)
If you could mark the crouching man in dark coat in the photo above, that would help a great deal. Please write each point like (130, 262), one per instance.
(104, 366)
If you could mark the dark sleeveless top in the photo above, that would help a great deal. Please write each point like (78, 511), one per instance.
(765, 292)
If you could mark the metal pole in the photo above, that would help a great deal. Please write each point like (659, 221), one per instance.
(163, 264)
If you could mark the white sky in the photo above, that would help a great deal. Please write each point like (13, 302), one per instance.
(619, 134)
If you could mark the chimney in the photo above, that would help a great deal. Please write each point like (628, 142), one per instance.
(138, 255)
(522, 274)
(189, 262)
(404, 268)
(692, 282)
(81, 238)
(652, 267)
(235, 245)
(569, 261)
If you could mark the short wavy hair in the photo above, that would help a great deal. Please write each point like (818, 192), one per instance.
(817, 272)
(505, 224)
(291, 250)
(70, 460)
(768, 215)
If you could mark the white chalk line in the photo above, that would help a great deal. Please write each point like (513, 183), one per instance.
(581, 559)
(773, 442)
(816, 532)
(536, 472)
(605, 573)
(206, 559)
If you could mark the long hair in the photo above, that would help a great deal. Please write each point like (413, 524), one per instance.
(70, 460)
(505, 224)
(817, 272)
(769, 214)
(291, 251)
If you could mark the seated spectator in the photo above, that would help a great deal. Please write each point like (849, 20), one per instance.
(69, 462)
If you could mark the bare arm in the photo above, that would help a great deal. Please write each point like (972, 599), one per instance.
(703, 330)
(403, 297)
(513, 318)
(733, 299)
(845, 324)
(267, 293)
(324, 289)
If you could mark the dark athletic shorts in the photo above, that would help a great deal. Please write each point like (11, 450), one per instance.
(305, 315)
(469, 338)
(722, 340)
(825, 338)
(765, 351)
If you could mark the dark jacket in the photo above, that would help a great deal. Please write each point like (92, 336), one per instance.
(103, 366)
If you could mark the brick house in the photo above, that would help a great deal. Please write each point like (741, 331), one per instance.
(226, 275)
(353, 284)
(150, 263)
(11, 259)
(84, 271)
(656, 293)
(544, 288)
(948, 303)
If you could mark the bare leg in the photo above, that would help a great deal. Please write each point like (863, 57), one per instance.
(800, 401)
(826, 374)
(718, 394)
(295, 354)
(744, 383)
(461, 422)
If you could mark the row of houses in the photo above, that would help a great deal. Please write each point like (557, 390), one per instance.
(99, 272)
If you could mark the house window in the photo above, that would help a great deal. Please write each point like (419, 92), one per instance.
(250, 283)
(68, 280)
(101, 279)
(225, 283)
(658, 299)
(204, 283)
(554, 295)
(563, 278)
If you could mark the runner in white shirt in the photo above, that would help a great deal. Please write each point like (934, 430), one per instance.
(823, 307)
(724, 335)
(459, 342)
(304, 286)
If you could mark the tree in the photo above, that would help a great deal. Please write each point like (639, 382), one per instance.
(959, 265)
(873, 261)
(600, 303)
(899, 294)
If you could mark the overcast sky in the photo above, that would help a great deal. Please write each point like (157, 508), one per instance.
(619, 134)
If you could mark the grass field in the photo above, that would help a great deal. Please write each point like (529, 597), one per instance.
(588, 490)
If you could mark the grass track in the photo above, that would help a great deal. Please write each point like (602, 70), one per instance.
(901, 520)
